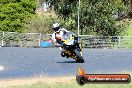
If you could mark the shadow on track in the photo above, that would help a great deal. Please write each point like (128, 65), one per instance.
(67, 62)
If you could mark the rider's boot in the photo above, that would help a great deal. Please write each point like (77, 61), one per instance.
(62, 54)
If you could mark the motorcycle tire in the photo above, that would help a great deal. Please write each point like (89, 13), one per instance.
(79, 57)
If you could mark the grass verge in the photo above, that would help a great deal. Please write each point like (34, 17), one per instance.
(62, 82)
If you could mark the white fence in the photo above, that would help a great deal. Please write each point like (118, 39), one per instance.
(12, 39)
(107, 41)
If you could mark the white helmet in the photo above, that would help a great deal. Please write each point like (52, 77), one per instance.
(56, 26)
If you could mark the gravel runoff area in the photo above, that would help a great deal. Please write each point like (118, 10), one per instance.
(16, 62)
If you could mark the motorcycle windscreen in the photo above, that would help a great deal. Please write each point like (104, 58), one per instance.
(68, 39)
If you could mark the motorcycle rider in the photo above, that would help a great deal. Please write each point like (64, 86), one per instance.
(57, 35)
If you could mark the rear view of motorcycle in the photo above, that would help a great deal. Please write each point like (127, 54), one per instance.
(71, 47)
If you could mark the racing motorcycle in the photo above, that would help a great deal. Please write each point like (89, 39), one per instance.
(71, 47)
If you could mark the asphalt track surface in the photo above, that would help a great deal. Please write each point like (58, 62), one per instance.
(28, 62)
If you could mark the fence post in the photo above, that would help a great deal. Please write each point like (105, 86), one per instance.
(39, 39)
(3, 38)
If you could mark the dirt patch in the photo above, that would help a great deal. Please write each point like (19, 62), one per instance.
(29, 81)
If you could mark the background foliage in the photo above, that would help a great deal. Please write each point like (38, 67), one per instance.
(14, 14)
(97, 17)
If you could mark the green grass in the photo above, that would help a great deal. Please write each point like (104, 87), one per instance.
(129, 30)
(124, 42)
(128, 27)
(74, 85)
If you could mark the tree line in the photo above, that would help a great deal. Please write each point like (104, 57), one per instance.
(97, 17)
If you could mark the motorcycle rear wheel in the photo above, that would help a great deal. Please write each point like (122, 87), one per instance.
(79, 57)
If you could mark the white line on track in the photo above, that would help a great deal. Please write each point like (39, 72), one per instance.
(1, 68)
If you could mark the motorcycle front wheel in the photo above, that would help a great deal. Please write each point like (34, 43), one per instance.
(79, 57)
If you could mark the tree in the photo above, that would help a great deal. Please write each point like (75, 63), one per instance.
(40, 24)
(96, 16)
(64, 8)
(128, 4)
(14, 14)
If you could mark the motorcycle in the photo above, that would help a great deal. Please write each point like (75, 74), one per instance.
(71, 47)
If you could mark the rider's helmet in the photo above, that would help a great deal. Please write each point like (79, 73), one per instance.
(56, 27)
